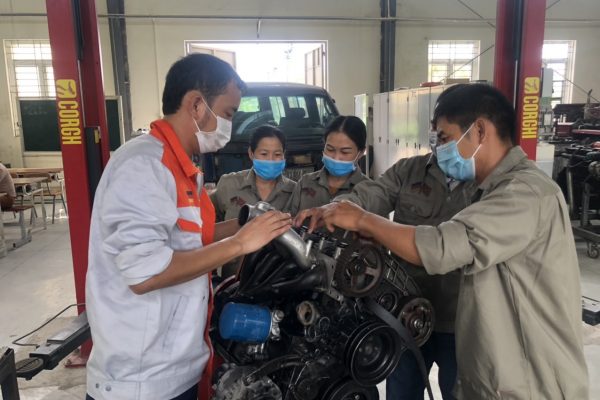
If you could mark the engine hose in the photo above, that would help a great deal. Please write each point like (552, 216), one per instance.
(272, 366)
(405, 335)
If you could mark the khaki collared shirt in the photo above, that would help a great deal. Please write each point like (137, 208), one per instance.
(239, 188)
(312, 190)
(518, 323)
(416, 190)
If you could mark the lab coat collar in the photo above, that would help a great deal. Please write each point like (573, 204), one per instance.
(165, 130)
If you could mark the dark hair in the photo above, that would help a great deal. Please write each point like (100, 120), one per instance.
(202, 72)
(265, 131)
(352, 126)
(462, 104)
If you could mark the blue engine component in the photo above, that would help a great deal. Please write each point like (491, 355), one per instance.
(245, 323)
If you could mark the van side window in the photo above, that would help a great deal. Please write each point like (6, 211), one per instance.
(298, 102)
(277, 108)
(249, 104)
(326, 114)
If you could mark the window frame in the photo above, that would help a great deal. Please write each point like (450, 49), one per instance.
(569, 64)
(452, 62)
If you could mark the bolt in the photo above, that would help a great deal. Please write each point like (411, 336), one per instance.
(278, 315)
(418, 324)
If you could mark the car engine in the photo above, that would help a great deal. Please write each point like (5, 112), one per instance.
(301, 319)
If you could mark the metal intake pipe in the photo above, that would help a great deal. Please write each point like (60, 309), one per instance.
(290, 240)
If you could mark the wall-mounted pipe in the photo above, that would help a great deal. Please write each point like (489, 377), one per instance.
(310, 18)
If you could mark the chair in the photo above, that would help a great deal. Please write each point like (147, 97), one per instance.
(25, 232)
(52, 191)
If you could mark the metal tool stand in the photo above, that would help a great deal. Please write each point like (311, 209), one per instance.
(587, 231)
(8, 375)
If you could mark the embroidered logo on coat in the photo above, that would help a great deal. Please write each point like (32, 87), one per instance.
(309, 191)
(420, 187)
(237, 201)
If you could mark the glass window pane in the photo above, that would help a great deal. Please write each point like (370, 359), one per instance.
(249, 104)
(326, 114)
(555, 50)
(28, 83)
(51, 89)
(445, 56)
(277, 107)
(437, 72)
(31, 51)
(298, 102)
(557, 88)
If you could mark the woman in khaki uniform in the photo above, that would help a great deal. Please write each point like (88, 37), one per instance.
(345, 143)
(264, 181)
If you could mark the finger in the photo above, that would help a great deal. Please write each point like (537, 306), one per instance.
(275, 225)
(312, 224)
(326, 219)
(301, 216)
(330, 226)
(272, 216)
(315, 219)
(280, 231)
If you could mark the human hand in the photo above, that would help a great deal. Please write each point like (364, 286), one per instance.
(261, 230)
(316, 218)
(345, 215)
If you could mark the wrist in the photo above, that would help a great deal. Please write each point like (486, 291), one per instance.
(236, 245)
(363, 223)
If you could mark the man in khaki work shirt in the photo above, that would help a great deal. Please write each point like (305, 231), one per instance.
(418, 192)
(518, 323)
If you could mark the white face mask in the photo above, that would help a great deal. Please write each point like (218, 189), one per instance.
(212, 141)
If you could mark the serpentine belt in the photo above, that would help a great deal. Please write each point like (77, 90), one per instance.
(405, 335)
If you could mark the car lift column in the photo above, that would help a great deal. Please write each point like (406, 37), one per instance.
(74, 39)
(518, 63)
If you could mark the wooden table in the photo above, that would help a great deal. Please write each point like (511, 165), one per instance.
(28, 181)
(26, 171)
(48, 175)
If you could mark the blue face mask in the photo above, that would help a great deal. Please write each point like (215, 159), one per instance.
(453, 164)
(267, 169)
(337, 167)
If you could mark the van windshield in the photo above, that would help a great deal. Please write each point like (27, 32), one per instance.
(295, 115)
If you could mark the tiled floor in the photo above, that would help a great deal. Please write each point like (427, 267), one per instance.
(36, 281)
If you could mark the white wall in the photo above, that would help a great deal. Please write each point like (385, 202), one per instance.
(154, 44)
(35, 28)
(412, 37)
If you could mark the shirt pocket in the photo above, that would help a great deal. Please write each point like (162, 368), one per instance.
(174, 323)
(413, 208)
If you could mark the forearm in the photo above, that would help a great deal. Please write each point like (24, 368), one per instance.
(226, 229)
(400, 239)
(188, 265)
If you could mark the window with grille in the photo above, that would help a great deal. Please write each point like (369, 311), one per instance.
(30, 68)
(559, 55)
(454, 59)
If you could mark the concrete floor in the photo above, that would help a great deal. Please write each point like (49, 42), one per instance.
(36, 281)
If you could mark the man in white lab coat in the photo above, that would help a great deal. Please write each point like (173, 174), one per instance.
(154, 243)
